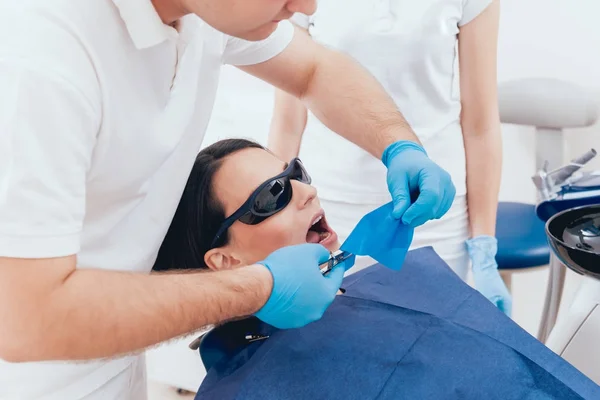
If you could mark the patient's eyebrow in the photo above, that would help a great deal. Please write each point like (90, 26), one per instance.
(285, 165)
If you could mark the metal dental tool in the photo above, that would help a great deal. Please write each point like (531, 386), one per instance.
(549, 184)
(335, 258)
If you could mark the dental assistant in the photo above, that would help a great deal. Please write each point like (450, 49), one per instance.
(437, 61)
(103, 107)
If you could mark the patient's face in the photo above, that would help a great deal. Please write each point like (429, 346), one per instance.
(240, 174)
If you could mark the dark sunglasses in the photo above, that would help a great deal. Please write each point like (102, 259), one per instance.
(268, 199)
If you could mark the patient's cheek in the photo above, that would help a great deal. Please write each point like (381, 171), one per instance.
(257, 244)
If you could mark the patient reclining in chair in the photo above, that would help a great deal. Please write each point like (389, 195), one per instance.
(420, 333)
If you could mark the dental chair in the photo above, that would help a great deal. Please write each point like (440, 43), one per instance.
(551, 106)
(568, 206)
(575, 239)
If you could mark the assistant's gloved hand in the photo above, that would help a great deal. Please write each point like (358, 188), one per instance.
(300, 294)
(482, 251)
(411, 172)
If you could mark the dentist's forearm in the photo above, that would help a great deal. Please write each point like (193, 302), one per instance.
(50, 311)
(352, 103)
(484, 169)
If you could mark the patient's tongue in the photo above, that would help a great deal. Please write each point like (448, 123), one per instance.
(312, 237)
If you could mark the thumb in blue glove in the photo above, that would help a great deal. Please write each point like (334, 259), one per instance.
(482, 251)
(300, 294)
(411, 173)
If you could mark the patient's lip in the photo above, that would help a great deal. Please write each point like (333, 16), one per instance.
(316, 217)
(333, 237)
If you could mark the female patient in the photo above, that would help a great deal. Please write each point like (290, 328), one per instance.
(391, 335)
(283, 211)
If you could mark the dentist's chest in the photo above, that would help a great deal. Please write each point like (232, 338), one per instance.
(155, 113)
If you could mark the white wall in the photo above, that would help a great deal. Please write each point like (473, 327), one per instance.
(538, 38)
(552, 39)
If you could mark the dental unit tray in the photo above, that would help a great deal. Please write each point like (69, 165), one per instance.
(567, 187)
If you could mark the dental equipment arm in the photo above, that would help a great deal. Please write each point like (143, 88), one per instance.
(549, 183)
(350, 102)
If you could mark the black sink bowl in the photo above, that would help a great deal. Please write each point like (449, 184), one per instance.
(574, 237)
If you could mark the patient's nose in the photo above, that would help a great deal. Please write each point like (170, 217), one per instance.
(307, 7)
(305, 193)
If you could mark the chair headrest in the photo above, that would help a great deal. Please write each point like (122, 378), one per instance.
(546, 103)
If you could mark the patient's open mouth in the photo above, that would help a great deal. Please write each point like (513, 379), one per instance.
(320, 231)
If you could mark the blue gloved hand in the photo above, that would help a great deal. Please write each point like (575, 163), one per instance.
(411, 172)
(482, 251)
(300, 294)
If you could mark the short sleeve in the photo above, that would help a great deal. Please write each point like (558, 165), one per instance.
(302, 20)
(47, 134)
(471, 9)
(242, 52)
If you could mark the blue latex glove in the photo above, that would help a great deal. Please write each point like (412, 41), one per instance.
(300, 294)
(482, 251)
(410, 173)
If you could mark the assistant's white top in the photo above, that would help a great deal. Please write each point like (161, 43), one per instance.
(410, 47)
(102, 111)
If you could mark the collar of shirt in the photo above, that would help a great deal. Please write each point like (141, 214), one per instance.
(144, 24)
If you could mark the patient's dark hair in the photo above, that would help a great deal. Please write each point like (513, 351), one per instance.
(199, 214)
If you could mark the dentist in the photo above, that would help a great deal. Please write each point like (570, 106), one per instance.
(103, 106)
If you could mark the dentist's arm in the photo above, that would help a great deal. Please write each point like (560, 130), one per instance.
(52, 311)
(350, 102)
(54, 306)
(342, 94)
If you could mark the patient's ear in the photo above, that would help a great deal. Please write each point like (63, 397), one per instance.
(221, 259)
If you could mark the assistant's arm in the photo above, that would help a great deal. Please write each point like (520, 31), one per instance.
(289, 118)
(287, 125)
(49, 310)
(480, 119)
(342, 94)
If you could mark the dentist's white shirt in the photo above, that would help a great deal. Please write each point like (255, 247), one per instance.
(102, 111)
(410, 48)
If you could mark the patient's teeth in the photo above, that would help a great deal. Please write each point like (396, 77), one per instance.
(317, 220)
(324, 236)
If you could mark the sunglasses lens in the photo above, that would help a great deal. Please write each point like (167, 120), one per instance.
(299, 173)
(271, 199)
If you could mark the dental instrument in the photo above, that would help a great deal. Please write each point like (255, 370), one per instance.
(335, 259)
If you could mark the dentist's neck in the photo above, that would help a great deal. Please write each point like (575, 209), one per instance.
(169, 11)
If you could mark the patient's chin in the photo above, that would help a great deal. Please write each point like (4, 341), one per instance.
(333, 246)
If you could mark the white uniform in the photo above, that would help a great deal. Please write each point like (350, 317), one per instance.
(410, 47)
(102, 111)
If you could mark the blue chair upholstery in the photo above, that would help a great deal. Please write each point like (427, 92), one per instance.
(522, 241)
